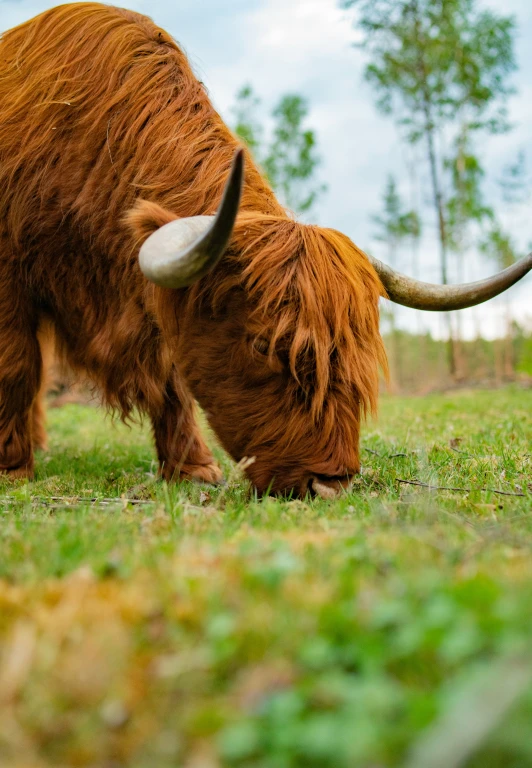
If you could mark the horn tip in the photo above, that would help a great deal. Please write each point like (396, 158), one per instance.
(238, 160)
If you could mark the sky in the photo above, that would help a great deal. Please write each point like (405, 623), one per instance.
(305, 47)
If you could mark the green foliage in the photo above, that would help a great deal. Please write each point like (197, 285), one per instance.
(465, 204)
(247, 125)
(499, 247)
(515, 182)
(393, 226)
(201, 626)
(289, 157)
(433, 62)
(395, 223)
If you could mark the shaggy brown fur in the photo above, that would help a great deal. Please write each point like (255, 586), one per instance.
(105, 135)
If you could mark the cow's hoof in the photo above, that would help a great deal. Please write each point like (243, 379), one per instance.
(199, 473)
(204, 473)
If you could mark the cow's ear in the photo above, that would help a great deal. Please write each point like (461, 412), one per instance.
(145, 217)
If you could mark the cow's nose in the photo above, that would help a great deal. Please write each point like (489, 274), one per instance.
(329, 487)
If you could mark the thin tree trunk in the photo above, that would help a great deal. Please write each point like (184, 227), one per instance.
(509, 358)
(436, 187)
(460, 227)
(436, 190)
(438, 205)
(393, 357)
(461, 373)
(414, 243)
(498, 348)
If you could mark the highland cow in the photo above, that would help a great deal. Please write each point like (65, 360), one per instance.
(110, 147)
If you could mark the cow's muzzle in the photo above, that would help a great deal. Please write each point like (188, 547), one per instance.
(329, 487)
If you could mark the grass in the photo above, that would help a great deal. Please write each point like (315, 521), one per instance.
(201, 627)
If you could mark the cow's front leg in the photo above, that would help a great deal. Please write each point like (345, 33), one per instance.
(181, 450)
(20, 378)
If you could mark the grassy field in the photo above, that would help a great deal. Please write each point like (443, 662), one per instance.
(151, 626)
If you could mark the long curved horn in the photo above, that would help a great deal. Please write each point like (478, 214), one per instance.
(181, 252)
(440, 298)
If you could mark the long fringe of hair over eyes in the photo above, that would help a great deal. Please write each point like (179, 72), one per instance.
(323, 295)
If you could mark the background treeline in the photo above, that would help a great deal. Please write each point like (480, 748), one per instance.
(419, 363)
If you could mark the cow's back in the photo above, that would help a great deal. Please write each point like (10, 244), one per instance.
(98, 106)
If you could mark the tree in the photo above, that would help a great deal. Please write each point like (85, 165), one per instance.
(499, 247)
(514, 182)
(395, 224)
(292, 159)
(515, 185)
(247, 126)
(465, 204)
(438, 67)
(465, 212)
(392, 227)
(288, 158)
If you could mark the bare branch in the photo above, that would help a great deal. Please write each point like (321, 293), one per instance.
(458, 490)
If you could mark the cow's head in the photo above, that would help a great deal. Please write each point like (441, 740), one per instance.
(280, 345)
